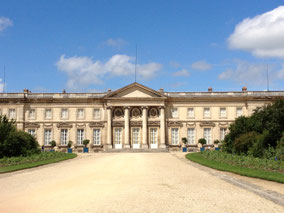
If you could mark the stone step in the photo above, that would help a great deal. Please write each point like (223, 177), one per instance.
(135, 150)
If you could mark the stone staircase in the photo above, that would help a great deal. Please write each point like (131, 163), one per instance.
(136, 150)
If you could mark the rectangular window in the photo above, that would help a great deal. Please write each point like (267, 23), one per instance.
(80, 113)
(97, 113)
(32, 132)
(239, 111)
(32, 114)
(118, 136)
(190, 112)
(80, 136)
(223, 132)
(174, 112)
(153, 136)
(64, 113)
(175, 136)
(47, 137)
(191, 135)
(223, 112)
(12, 113)
(48, 114)
(136, 135)
(207, 135)
(206, 113)
(97, 136)
(63, 136)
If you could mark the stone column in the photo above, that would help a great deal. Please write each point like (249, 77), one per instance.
(109, 128)
(126, 127)
(144, 127)
(162, 128)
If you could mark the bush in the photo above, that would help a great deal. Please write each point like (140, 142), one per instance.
(69, 144)
(202, 141)
(86, 142)
(14, 142)
(184, 140)
(244, 142)
(216, 142)
(53, 144)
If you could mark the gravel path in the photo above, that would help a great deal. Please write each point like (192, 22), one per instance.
(126, 182)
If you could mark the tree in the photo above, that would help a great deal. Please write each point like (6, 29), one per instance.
(14, 142)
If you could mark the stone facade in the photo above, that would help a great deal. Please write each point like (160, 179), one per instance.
(133, 117)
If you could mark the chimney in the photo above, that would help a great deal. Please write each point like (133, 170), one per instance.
(210, 89)
(63, 91)
(26, 90)
(244, 89)
(161, 90)
(109, 90)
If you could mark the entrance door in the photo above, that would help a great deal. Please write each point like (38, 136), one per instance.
(118, 138)
(136, 138)
(153, 138)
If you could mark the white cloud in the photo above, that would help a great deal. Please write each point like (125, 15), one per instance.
(183, 72)
(261, 35)
(116, 43)
(246, 73)
(4, 23)
(201, 65)
(84, 71)
(174, 64)
(1, 85)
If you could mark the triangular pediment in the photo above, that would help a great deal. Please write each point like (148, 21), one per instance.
(135, 90)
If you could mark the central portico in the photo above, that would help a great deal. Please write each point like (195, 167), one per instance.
(135, 118)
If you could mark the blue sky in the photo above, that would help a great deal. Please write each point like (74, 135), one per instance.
(89, 46)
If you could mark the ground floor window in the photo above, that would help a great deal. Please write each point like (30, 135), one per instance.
(118, 136)
(135, 135)
(174, 136)
(32, 132)
(153, 136)
(80, 136)
(223, 132)
(63, 136)
(47, 137)
(207, 135)
(191, 135)
(97, 136)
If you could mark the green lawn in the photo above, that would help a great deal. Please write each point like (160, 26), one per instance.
(18, 163)
(256, 173)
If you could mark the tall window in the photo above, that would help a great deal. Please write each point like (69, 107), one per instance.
(174, 136)
(80, 136)
(63, 136)
(223, 112)
(12, 113)
(97, 113)
(32, 114)
(174, 112)
(32, 132)
(135, 135)
(64, 113)
(190, 112)
(207, 135)
(206, 112)
(47, 137)
(117, 136)
(153, 136)
(48, 114)
(80, 113)
(97, 136)
(223, 132)
(191, 135)
(239, 111)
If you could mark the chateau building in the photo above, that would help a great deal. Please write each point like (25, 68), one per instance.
(133, 117)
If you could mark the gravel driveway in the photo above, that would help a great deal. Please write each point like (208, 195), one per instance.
(125, 182)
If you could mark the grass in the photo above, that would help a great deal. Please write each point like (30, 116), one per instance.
(249, 172)
(19, 163)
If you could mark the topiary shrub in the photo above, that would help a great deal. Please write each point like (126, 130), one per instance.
(86, 142)
(69, 144)
(202, 141)
(184, 141)
(53, 144)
